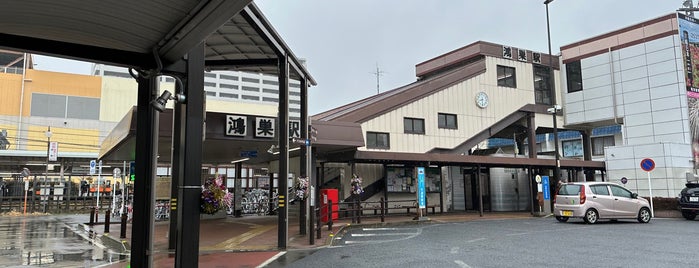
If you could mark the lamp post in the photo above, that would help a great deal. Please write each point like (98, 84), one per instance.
(553, 110)
(48, 158)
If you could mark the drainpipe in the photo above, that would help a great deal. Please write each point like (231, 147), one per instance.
(21, 102)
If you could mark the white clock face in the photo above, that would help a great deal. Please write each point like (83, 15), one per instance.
(482, 100)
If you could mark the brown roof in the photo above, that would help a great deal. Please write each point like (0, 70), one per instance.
(374, 106)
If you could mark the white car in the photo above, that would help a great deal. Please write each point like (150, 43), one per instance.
(593, 201)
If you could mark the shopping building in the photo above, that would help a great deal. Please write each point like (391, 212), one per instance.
(640, 79)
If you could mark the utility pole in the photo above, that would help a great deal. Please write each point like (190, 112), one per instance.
(688, 8)
(378, 74)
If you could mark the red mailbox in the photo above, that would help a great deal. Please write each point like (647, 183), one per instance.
(326, 196)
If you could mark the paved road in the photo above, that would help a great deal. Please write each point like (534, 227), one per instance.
(533, 242)
(52, 241)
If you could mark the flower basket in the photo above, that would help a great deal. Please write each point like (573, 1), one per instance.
(356, 184)
(301, 188)
(214, 196)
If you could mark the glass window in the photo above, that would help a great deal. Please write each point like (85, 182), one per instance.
(574, 76)
(598, 144)
(270, 99)
(506, 76)
(248, 97)
(569, 189)
(209, 84)
(600, 189)
(229, 77)
(377, 140)
(273, 91)
(210, 75)
(246, 88)
(228, 95)
(211, 93)
(446, 121)
(270, 82)
(572, 148)
(222, 85)
(620, 191)
(542, 85)
(251, 80)
(414, 125)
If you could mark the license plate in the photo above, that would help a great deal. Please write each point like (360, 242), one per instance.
(567, 213)
(694, 199)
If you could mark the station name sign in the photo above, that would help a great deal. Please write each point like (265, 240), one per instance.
(258, 127)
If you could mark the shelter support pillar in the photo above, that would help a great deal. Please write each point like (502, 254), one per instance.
(283, 224)
(178, 122)
(531, 130)
(587, 144)
(303, 157)
(190, 189)
(143, 198)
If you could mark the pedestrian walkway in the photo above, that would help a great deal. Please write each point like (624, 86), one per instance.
(251, 241)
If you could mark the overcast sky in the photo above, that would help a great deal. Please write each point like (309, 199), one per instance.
(344, 41)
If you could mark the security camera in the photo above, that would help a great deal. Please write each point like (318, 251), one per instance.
(160, 102)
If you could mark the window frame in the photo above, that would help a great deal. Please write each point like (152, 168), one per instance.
(543, 91)
(605, 143)
(375, 145)
(445, 123)
(505, 79)
(574, 81)
(411, 129)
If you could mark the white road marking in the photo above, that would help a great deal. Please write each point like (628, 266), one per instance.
(384, 234)
(476, 240)
(454, 250)
(379, 229)
(462, 264)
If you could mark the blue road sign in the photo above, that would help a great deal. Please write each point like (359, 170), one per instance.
(93, 167)
(421, 198)
(248, 154)
(546, 190)
(647, 164)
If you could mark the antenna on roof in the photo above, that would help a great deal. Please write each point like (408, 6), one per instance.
(378, 74)
(688, 8)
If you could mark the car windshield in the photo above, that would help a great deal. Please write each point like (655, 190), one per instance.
(569, 189)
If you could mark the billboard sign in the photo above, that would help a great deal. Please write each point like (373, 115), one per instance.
(689, 39)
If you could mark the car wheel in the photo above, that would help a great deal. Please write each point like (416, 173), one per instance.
(591, 216)
(561, 219)
(689, 215)
(644, 215)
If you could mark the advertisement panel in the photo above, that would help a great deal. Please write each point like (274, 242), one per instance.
(689, 38)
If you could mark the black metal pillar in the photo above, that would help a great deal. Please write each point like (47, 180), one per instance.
(238, 196)
(303, 161)
(147, 143)
(283, 224)
(587, 144)
(177, 172)
(531, 131)
(480, 190)
(189, 192)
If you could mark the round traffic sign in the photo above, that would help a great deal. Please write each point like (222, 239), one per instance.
(647, 164)
(537, 179)
(624, 180)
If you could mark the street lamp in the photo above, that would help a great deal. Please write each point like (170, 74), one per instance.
(48, 152)
(553, 110)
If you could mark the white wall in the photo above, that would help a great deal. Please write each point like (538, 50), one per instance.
(672, 162)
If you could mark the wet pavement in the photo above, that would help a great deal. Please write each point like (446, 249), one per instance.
(53, 241)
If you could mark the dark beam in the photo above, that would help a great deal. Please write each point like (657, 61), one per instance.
(283, 223)
(224, 64)
(77, 51)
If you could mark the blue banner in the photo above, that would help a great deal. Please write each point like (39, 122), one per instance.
(421, 198)
(547, 192)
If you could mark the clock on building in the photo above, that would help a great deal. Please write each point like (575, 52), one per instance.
(482, 99)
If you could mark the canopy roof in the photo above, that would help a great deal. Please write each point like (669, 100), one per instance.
(147, 34)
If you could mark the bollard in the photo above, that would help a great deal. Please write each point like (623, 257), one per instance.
(359, 210)
(106, 221)
(92, 217)
(97, 212)
(318, 223)
(123, 225)
(330, 215)
(382, 210)
(311, 213)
